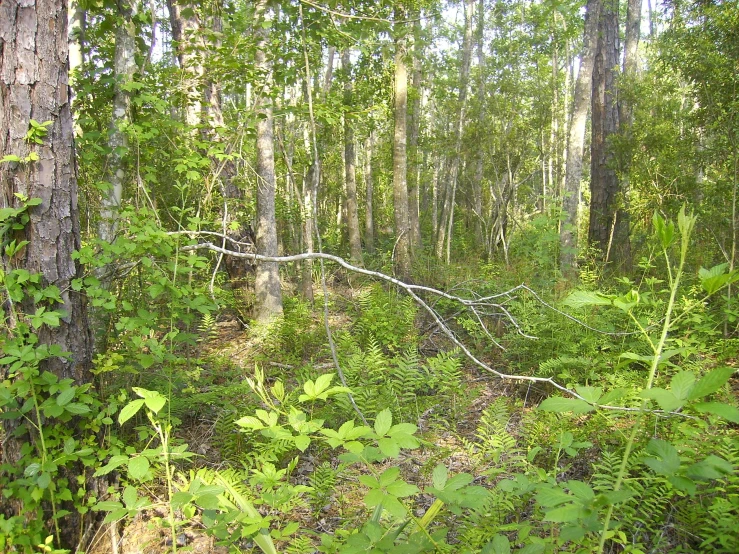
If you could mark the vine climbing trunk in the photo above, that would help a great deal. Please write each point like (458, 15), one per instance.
(34, 88)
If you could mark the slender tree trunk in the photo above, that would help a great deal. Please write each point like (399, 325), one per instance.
(415, 126)
(34, 85)
(606, 217)
(576, 141)
(124, 68)
(447, 215)
(400, 157)
(369, 220)
(267, 280)
(186, 34)
(479, 161)
(350, 164)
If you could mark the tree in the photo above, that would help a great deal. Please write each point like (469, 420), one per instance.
(33, 91)
(576, 140)
(350, 162)
(400, 155)
(267, 279)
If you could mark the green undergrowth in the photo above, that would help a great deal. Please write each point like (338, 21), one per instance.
(261, 441)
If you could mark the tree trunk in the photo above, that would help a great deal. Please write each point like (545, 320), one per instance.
(576, 141)
(447, 216)
(608, 223)
(124, 68)
(186, 34)
(267, 280)
(415, 126)
(34, 86)
(400, 158)
(350, 164)
(479, 161)
(369, 219)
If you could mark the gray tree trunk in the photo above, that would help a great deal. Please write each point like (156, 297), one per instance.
(400, 156)
(267, 280)
(576, 141)
(34, 85)
(187, 38)
(415, 127)
(124, 68)
(350, 164)
(369, 219)
(479, 155)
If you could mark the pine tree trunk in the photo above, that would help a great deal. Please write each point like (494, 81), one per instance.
(267, 279)
(34, 85)
(576, 140)
(350, 164)
(400, 158)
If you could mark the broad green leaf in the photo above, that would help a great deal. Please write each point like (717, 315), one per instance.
(389, 447)
(580, 298)
(712, 467)
(681, 384)
(711, 382)
(138, 467)
(458, 481)
(129, 410)
(66, 396)
(581, 490)
(302, 442)
(591, 394)
(323, 382)
(499, 545)
(388, 476)
(155, 403)
(560, 405)
(383, 422)
(666, 400)
(726, 411)
(369, 481)
(114, 462)
(552, 496)
(565, 514)
(439, 476)
(402, 489)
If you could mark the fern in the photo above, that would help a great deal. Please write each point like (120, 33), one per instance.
(496, 444)
(323, 483)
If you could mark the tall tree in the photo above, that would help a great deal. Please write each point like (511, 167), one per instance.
(34, 88)
(185, 25)
(350, 162)
(414, 159)
(446, 224)
(609, 226)
(267, 280)
(576, 140)
(124, 67)
(400, 154)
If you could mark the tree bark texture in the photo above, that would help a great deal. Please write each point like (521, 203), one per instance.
(186, 35)
(608, 223)
(350, 163)
(400, 155)
(34, 85)
(267, 280)
(479, 155)
(576, 140)
(369, 219)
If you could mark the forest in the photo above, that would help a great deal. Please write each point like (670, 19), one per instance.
(351, 276)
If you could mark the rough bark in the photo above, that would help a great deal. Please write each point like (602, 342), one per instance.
(267, 280)
(34, 85)
(400, 155)
(124, 68)
(350, 164)
(576, 140)
(608, 223)
(447, 215)
(479, 157)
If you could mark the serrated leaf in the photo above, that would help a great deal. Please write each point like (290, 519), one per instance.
(667, 460)
(439, 476)
(590, 394)
(130, 496)
(581, 298)
(581, 490)
(666, 400)
(552, 496)
(712, 467)
(401, 489)
(389, 447)
(383, 422)
(681, 384)
(66, 396)
(565, 514)
(388, 476)
(711, 382)
(323, 382)
(302, 442)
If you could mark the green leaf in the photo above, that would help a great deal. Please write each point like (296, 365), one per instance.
(726, 411)
(581, 298)
(581, 490)
(590, 394)
(712, 467)
(129, 410)
(667, 461)
(302, 442)
(681, 384)
(138, 467)
(711, 382)
(560, 405)
(565, 514)
(439, 476)
(383, 422)
(401, 489)
(552, 496)
(666, 400)
(499, 545)
(114, 462)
